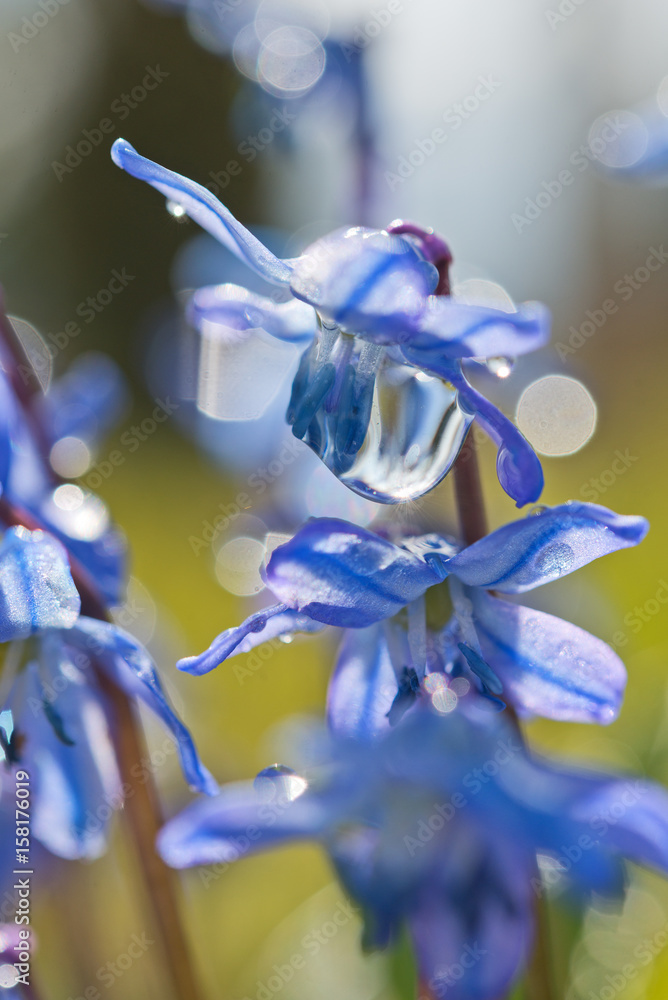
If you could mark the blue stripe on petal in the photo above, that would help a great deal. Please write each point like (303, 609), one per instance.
(451, 329)
(548, 667)
(546, 546)
(235, 308)
(204, 209)
(129, 666)
(363, 686)
(341, 574)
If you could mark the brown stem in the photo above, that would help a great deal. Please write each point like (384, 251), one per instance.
(473, 522)
(141, 805)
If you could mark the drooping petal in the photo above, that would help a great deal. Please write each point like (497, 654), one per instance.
(473, 948)
(129, 666)
(341, 574)
(235, 308)
(547, 666)
(366, 281)
(545, 546)
(75, 782)
(36, 588)
(452, 329)
(262, 626)
(204, 209)
(364, 685)
(239, 821)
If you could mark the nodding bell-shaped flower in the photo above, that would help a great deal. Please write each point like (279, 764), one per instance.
(379, 394)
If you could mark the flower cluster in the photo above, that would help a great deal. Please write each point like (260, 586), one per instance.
(424, 794)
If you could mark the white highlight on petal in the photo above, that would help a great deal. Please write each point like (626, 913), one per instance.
(557, 415)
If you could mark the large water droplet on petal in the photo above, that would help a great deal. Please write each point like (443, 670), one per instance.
(279, 783)
(414, 433)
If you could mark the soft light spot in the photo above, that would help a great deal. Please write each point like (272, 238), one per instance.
(70, 457)
(176, 210)
(292, 59)
(238, 566)
(618, 138)
(443, 698)
(481, 292)
(9, 976)
(557, 415)
(78, 512)
(501, 367)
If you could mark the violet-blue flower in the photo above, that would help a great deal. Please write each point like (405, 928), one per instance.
(62, 729)
(364, 300)
(436, 826)
(421, 607)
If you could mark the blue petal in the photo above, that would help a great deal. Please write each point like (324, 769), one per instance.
(473, 948)
(9, 422)
(363, 686)
(36, 588)
(451, 329)
(235, 308)
(74, 785)
(260, 627)
(543, 547)
(204, 209)
(548, 667)
(366, 281)
(239, 821)
(129, 666)
(341, 574)
(87, 401)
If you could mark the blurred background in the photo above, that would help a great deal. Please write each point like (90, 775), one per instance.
(522, 93)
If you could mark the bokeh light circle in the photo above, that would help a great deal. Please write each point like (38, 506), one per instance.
(557, 415)
(618, 138)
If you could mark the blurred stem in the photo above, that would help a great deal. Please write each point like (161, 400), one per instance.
(473, 522)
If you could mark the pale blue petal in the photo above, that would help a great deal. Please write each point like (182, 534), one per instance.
(341, 574)
(547, 666)
(363, 686)
(239, 821)
(545, 546)
(36, 588)
(204, 209)
(233, 308)
(452, 329)
(366, 281)
(629, 816)
(260, 627)
(129, 666)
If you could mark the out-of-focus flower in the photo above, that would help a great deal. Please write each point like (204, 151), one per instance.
(411, 630)
(364, 300)
(62, 725)
(437, 826)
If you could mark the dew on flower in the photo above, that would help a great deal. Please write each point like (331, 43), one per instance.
(279, 783)
(176, 210)
(501, 367)
(557, 414)
(555, 560)
(70, 457)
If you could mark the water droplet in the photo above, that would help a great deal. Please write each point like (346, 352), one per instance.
(537, 509)
(279, 783)
(501, 367)
(176, 210)
(415, 431)
(555, 560)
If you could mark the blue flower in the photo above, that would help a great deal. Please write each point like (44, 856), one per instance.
(364, 301)
(420, 611)
(436, 826)
(62, 725)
